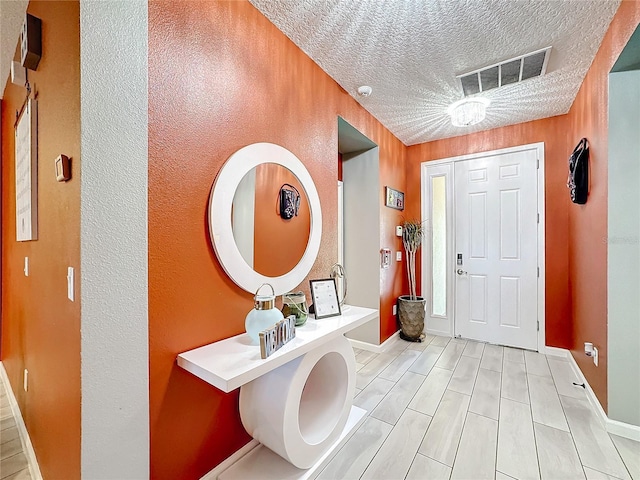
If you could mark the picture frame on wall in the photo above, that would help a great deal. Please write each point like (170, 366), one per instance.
(394, 198)
(324, 296)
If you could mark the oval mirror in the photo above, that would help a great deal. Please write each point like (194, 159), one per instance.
(245, 224)
(270, 244)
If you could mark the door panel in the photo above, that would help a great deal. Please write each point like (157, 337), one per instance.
(496, 233)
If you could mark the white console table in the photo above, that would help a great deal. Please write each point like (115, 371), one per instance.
(276, 389)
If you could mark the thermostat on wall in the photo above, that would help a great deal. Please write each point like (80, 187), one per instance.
(63, 168)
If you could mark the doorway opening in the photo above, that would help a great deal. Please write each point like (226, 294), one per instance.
(359, 224)
(483, 258)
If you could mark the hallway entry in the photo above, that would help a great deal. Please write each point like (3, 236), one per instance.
(484, 246)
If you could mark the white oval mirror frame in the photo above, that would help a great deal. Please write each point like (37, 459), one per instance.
(220, 208)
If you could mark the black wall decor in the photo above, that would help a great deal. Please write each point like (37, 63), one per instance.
(578, 181)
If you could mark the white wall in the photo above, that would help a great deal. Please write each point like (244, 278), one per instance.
(624, 248)
(113, 230)
(361, 184)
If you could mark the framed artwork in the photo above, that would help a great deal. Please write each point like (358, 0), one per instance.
(394, 198)
(26, 145)
(325, 298)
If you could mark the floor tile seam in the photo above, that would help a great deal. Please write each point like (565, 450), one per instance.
(535, 440)
(11, 456)
(406, 369)
(508, 476)
(599, 471)
(395, 383)
(615, 445)
(464, 424)
(387, 436)
(550, 426)
(517, 401)
(345, 444)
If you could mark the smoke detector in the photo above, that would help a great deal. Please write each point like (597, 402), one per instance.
(364, 90)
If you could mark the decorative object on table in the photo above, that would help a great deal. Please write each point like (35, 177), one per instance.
(394, 198)
(289, 199)
(337, 272)
(411, 307)
(263, 315)
(325, 298)
(578, 181)
(295, 303)
(274, 338)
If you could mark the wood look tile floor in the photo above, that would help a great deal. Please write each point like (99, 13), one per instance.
(456, 409)
(13, 462)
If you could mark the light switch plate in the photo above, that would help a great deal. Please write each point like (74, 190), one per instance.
(595, 356)
(26, 266)
(399, 256)
(70, 284)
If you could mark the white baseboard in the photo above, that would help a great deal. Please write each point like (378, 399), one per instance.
(213, 474)
(615, 427)
(27, 446)
(556, 352)
(370, 347)
(623, 429)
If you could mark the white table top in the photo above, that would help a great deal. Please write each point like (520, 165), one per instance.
(230, 363)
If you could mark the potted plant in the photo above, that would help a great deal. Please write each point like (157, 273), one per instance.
(411, 307)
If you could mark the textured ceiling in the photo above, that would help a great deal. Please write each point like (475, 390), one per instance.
(11, 18)
(410, 51)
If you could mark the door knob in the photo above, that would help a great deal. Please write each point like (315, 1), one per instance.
(461, 272)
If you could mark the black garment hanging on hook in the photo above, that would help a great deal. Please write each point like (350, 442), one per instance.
(289, 201)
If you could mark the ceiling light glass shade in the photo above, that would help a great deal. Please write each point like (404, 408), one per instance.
(468, 111)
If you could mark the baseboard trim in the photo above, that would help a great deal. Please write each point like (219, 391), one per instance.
(556, 352)
(213, 474)
(428, 331)
(612, 426)
(370, 347)
(27, 446)
(623, 429)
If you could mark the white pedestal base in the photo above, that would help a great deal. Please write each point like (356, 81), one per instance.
(262, 464)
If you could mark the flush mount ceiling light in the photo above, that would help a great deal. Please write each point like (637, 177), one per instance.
(468, 111)
(364, 90)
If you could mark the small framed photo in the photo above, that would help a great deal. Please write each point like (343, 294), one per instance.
(325, 298)
(394, 198)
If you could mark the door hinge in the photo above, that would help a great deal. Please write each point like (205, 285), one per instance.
(537, 164)
(538, 218)
(538, 272)
(538, 326)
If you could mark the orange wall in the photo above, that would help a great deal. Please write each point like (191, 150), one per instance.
(278, 243)
(576, 252)
(588, 223)
(40, 327)
(219, 75)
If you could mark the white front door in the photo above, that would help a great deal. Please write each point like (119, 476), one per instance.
(496, 267)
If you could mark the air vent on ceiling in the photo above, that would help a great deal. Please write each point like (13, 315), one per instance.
(514, 70)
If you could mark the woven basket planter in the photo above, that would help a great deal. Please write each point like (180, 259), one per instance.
(411, 318)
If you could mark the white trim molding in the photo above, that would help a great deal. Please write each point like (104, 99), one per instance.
(27, 446)
(383, 347)
(612, 426)
(215, 473)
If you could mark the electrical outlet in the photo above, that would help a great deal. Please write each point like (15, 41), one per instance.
(26, 266)
(595, 356)
(25, 380)
(398, 256)
(395, 309)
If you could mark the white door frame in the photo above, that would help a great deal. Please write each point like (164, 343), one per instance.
(425, 205)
